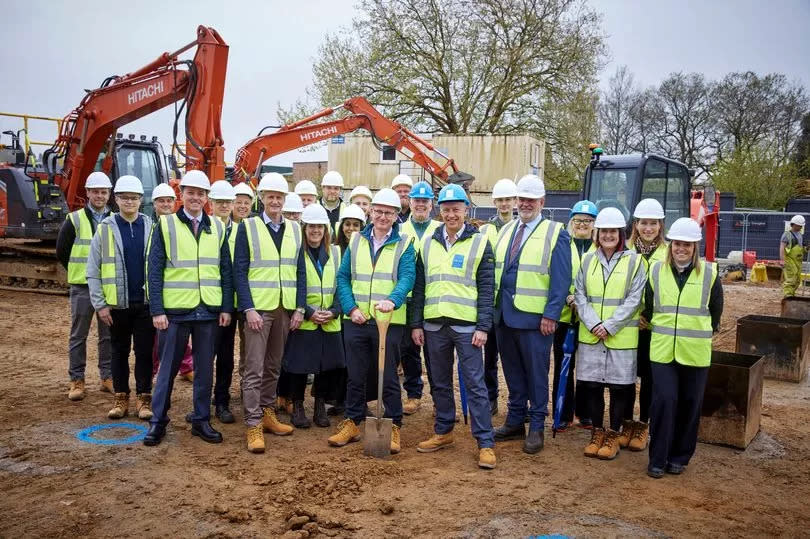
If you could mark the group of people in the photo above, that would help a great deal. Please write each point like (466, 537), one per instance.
(303, 279)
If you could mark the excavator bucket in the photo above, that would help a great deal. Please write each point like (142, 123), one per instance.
(461, 178)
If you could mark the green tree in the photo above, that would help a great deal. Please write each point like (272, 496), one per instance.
(759, 178)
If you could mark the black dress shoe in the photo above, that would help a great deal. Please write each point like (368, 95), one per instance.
(319, 417)
(493, 407)
(224, 414)
(190, 417)
(206, 432)
(510, 432)
(155, 435)
(533, 442)
(655, 473)
(336, 410)
(675, 469)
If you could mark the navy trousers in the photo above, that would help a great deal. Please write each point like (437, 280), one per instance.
(677, 397)
(225, 338)
(172, 343)
(411, 366)
(491, 366)
(525, 355)
(361, 344)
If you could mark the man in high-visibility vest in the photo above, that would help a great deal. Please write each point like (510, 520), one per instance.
(418, 226)
(452, 307)
(72, 249)
(791, 253)
(375, 276)
(265, 272)
(190, 292)
(532, 279)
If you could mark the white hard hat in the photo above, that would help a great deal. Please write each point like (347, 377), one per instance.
(504, 188)
(292, 203)
(401, 179)
(332, 179)
(649, 208)
(610, 218)
(684, 229)
(315, 214)
(195, 178)
(387, 197)
(797, 220)
(353, 211)
(221, 190)
(306, 187)
(531, 186)
(128, 184)
(98, 180)
(243, 188)
(163, 190)
(360, 190)
(273, 181)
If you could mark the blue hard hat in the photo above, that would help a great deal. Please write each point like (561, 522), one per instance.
(584, 206)
(421, 190)
(453, 193)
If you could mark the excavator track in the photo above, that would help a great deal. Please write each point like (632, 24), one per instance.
(31, 266)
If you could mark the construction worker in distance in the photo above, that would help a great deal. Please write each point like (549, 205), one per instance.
(504, 196)
(609, 289)
(647, 239)
(361, 196)
(331, 186)
(532, 278)
(375, 276)
(307, 192)
(418, 226)
(72, 250)
(791, 253)
(293, 207)
(402, 184)
(116, 277)
(265, 269)
(451, 313)
(684, 304)
(190, 293)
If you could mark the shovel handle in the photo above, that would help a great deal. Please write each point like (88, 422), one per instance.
(383, 320)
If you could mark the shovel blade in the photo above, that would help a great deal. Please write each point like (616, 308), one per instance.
(377, 441)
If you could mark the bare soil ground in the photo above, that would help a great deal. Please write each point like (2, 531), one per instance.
(53, 484)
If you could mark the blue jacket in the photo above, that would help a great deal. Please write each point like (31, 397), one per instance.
(406, 272)
(157, 263)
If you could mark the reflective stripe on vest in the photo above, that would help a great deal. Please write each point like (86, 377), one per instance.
(272, 275)
(451, 289)
(576, 263)
(531, 290)
(192, 273)
(108, 260)
(321, 289)
(77, 263)
(373, 282)
(681, 321)
(605, 296)
(490, 232)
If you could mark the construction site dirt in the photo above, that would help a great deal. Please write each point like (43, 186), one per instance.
(57, 484)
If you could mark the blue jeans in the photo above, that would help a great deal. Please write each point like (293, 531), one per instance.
(442, 344)
(525, 357)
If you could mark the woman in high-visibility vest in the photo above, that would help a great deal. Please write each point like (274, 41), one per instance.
(316, 347)
(647, 239)
(683, 302)
(609, 289)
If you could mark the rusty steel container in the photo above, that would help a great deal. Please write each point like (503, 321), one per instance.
(796, 307)
(782, 343)
(732, 401)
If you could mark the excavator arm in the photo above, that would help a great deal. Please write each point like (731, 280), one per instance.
(362, 115)
(199, 83)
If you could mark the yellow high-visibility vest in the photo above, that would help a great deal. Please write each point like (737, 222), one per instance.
(272, 275)
(374, 282)
(77, 263)
(321, 289)
(576, 262)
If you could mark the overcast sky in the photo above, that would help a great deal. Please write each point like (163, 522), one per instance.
(53, 50)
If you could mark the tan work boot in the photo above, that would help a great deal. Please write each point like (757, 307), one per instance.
(271, 423)
(106, 385)
(435, 442)
(486, 458)
(641, 435)
(255, 439)
(143, 406)
(120, 406)
(627, 433)
(597, 439)
(187, 376)
(347, 432)
(76, 392)
(411, 406)
(395, 447)
(610, 448)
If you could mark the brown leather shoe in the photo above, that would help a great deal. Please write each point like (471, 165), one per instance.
(120, 406)
(143, 406)
(106, 385)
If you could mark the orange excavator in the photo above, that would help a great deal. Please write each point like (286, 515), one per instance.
(362, 115)
(35, 199)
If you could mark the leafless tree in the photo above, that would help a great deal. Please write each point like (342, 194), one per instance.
(615, 113)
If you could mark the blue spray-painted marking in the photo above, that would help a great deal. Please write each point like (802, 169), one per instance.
(86, 435)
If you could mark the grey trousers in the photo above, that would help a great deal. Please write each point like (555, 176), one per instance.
(81, 315)
(264, 350)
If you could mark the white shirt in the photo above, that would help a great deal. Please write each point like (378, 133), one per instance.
(192, 218)
(447, 238)
(377, 244)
